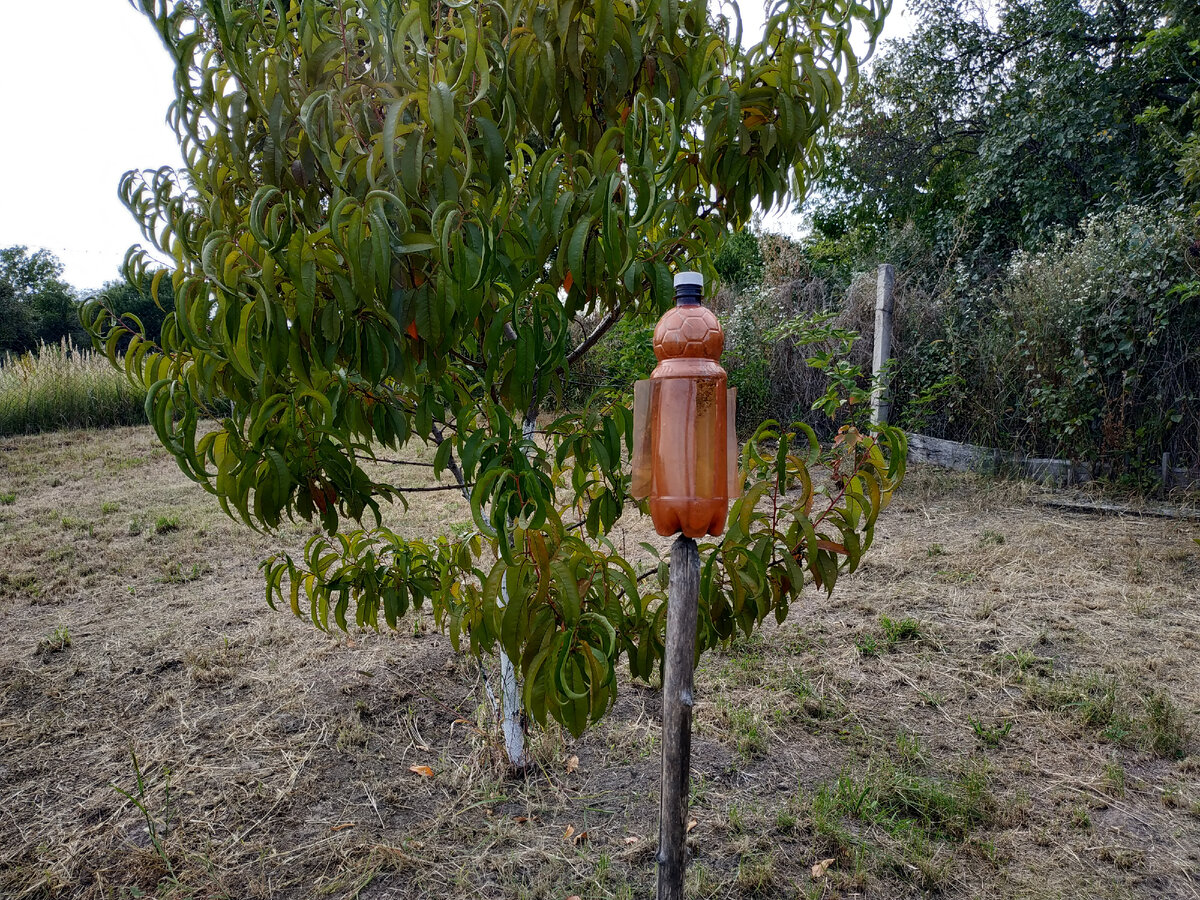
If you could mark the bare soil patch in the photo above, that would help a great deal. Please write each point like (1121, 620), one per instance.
(1003, 702)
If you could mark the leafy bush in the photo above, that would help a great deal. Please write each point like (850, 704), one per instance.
(739, 261)
(62, 386)
(1088, 347)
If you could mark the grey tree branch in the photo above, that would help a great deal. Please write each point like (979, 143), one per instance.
(609, 320)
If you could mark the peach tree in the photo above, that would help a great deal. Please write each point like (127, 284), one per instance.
(393, 216)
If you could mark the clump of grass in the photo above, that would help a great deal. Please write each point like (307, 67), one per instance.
(747, 728)
(901, 817)
(1114, 779)
(63, 386)
(1099, 706)
(908, 748)
(1026, 661)
(166, 524)
(8, 499)
(175, 573)
(756, 874)
(56, 641)
(895, 631)
(1164, 728)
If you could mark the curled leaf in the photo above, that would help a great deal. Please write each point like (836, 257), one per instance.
(818, 870)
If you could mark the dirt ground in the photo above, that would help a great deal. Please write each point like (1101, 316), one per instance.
(1003, 702)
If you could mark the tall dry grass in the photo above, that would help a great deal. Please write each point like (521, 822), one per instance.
(63, 386)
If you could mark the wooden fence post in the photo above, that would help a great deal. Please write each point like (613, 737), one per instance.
(884, 290)
(682, 608)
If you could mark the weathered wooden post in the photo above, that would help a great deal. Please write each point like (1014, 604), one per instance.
(685, 462)
(683, 605)
(884, 290)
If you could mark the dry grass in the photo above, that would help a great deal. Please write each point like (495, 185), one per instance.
(857, 732)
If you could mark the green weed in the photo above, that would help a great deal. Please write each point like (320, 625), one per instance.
(867, 645)
(8, 499)
(990, 735)
(138, 797)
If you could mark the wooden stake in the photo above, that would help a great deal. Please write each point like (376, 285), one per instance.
(683, 601)
(884, 300)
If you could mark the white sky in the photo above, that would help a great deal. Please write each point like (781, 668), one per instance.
(85, 103)
(84, 91)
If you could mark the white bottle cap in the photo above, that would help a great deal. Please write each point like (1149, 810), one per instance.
(695, 278)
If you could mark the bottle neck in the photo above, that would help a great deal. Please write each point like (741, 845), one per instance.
(688, 295)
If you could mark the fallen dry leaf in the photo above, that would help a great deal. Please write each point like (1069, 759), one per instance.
(569, 833)
(818, 871)
(580, 838)
(574, 897)
(690, 825)
(343, 826)
(572, 765)
(423, 771)
(632, 840)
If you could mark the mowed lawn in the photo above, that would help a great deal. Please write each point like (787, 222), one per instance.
(1003, 702)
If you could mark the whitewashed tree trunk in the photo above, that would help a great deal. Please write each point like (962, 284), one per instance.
(512, 714)
(512, 720)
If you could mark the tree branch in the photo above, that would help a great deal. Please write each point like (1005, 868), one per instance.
(452, 465)
(609, 320)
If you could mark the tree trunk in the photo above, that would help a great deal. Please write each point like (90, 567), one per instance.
(512, 719)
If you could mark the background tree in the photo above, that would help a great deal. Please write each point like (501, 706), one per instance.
(1031, 172)
(35, 303)
(391, 217)
(991, 136)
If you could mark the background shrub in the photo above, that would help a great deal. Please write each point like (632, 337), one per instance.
(1087, 348)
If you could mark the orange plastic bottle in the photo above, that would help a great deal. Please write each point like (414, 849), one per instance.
(691, 444)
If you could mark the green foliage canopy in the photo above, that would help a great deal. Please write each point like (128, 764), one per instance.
(991, 133)
(390, 215)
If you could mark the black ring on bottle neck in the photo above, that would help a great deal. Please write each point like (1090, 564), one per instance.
(688, 295)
